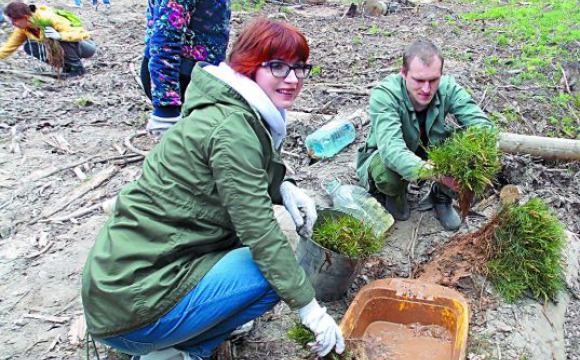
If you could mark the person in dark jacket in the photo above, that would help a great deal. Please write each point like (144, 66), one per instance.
(193, 249)
(179, 34)
(408, 113)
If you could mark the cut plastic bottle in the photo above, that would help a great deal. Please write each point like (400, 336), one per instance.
(356, 201)
(330, 139)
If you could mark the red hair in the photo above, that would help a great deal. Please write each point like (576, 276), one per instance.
(265, 40)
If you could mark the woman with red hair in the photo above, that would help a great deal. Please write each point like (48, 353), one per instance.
(193, 249)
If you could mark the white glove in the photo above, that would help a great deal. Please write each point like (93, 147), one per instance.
(157, 126)
(327, 332)
(300, 206)
(50, 33)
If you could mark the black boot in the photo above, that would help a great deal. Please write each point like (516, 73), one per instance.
(71, 71)
(398, 206)
(443, 209)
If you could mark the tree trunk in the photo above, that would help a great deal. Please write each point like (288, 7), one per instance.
(545, 147)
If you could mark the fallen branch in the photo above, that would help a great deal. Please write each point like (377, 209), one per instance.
(92, 184)
(38, 253)
(547, 148)
(44, 77)
(130, 146)
(351, 92)
(567, 86)
(117, 160)
(53, 319)
(74, 214)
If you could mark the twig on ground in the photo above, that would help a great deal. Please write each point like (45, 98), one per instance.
(49, 318)
(134, 72)
(44, 77)
(482, 97)
(130, 146)
(92, 184)
(38, 253)
(567, 86)
(17, 301)
(74, 214)
(347, 91)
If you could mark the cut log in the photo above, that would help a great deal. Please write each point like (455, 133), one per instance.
(545, 147)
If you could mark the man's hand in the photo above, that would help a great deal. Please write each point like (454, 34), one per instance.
(51, 33)
(157, 126)
(325, 329)
(300, 206)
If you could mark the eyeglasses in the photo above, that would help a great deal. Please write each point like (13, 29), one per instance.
(280, 69)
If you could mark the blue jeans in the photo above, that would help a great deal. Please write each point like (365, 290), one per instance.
(94, 2)
(232, 293)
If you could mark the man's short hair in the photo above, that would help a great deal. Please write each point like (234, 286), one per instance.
(425, 50)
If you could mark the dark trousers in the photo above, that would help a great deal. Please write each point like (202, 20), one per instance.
(73, 51)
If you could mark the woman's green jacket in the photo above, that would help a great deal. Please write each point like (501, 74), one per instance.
(208, 187)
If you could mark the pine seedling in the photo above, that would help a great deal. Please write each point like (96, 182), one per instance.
(347, 235)
(303, 335)
(54, 52)
(471, 157)
(526, 253)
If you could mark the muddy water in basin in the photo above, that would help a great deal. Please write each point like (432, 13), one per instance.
(387, 340)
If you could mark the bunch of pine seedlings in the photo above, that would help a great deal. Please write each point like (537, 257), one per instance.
(471, 157)
(54, 52)
(303, 336)
(347, 235)
(526, 252)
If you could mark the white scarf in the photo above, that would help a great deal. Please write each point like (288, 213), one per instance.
(255, 96)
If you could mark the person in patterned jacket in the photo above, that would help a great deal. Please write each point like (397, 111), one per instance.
(179, 34)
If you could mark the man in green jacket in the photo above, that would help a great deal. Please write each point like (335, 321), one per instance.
(408, 113)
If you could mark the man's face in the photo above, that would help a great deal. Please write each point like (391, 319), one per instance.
(422, 81)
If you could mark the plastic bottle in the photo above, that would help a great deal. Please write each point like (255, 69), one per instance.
(357, 202)
(330, 139)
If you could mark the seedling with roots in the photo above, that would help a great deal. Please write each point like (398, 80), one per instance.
(471, 158)
(54, 52)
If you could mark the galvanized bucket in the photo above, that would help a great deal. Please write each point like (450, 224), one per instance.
(330, 273)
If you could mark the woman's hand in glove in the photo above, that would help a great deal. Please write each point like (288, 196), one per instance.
(300, 206)
(325, 329)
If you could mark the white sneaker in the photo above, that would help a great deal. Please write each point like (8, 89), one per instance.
(242, 330)
(168, 354)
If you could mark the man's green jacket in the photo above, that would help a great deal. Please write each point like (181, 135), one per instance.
(208, 187)
(394, 133)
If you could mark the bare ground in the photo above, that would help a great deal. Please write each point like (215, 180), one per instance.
(63, 153)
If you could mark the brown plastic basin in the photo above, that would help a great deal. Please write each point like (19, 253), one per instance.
(405, 319)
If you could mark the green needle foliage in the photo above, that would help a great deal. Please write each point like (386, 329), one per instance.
(527, 252)
(303, 335)
(347, 235)
(471, 157)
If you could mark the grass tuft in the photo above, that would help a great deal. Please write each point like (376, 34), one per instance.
(527, 252)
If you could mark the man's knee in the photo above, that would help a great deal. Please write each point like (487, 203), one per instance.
(385, 180)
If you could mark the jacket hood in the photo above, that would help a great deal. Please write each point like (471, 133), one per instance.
(206, 89)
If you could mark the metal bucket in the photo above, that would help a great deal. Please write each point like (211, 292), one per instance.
(330, 273)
